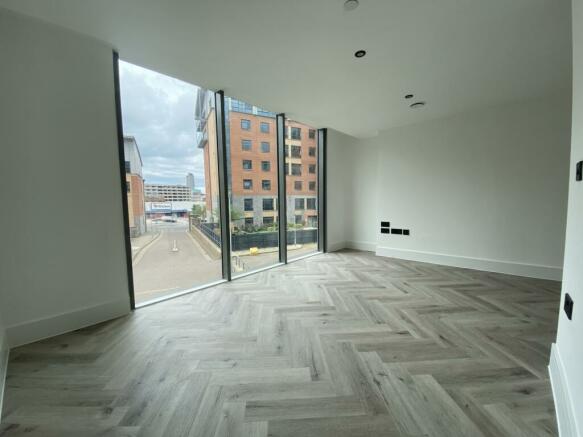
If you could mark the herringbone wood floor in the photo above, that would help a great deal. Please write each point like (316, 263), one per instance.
(342, 344)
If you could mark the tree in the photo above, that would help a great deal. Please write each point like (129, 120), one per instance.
(236, 214)
(198, 211)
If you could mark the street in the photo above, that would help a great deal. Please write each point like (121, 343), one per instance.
(171, 262)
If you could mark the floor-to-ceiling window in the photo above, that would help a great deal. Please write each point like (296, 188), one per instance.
(301, 170)
(214, 187)
(251, 141)
(171, 172)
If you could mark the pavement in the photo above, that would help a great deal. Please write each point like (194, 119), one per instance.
(172, 262)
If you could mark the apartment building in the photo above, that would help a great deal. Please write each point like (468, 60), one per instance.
(252, 148)
(135, 187)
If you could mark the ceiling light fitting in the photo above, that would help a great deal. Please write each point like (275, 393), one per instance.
(409, 96)
(417, 105)
(360, 53)
(350, 5)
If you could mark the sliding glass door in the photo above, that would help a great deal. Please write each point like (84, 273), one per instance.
(171, 177)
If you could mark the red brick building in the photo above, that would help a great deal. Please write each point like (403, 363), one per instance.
(252, 155)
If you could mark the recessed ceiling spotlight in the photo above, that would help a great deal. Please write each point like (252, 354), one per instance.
(417, 105)
(350, 5)
(409, 96)
(360, 53)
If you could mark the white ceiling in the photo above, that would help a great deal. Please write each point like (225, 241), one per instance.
(296, 56)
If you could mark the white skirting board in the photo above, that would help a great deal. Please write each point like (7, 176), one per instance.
(356, 245)
(39, 329)
(362, 245)
(4, 351)
(564, 408)
(339, 245)
(488, 265)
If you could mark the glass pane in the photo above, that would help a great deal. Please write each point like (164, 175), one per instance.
(301, 164)
(252, 179)
(172, 175)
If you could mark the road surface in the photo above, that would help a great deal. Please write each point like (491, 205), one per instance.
(172, 262)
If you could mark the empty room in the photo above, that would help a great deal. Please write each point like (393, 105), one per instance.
(308, 218)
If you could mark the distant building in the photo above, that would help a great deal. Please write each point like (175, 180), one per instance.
(135, 187)
(174, 209)
(168, 193)
(207, 141)
(190, 182)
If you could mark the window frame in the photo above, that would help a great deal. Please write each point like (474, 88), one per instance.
(268, 199)
(245, 202)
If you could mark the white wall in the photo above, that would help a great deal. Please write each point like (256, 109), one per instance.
(3, 360)
(338, 147)
(567, 361)
(62, 253)
(363, 207)
(485, 189)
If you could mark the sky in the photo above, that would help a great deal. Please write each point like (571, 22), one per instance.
(158, 111)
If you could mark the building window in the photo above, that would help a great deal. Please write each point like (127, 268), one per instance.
(249, 221)
(312, 134)
(267, 204)
(286, 168)
(311, 203)
(296, 169)
(238, 106)
(245, 124)
(312, 169)
(299, 203)
(264, 127)
(266, 184)
(299, 220)
(247, 184)
(128, 186)
(312, 151)
(312, 185)
(128, 167)
(296, 151)
(246, 145)
(296, 133)
(313, 221)
(248, 204)
(298, 185)
(265, 147)
(247, 164)
(267, 220)
(265, 165)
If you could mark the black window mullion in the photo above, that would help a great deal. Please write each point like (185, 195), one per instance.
(124, 186)
(223, 184)
(322, 234)
(281, 210)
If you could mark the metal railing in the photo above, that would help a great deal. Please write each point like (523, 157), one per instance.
(209, 232)
(238, 263)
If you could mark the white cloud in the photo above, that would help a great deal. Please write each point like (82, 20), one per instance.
(159, 112)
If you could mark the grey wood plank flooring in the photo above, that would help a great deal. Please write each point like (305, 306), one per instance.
(341, 344)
